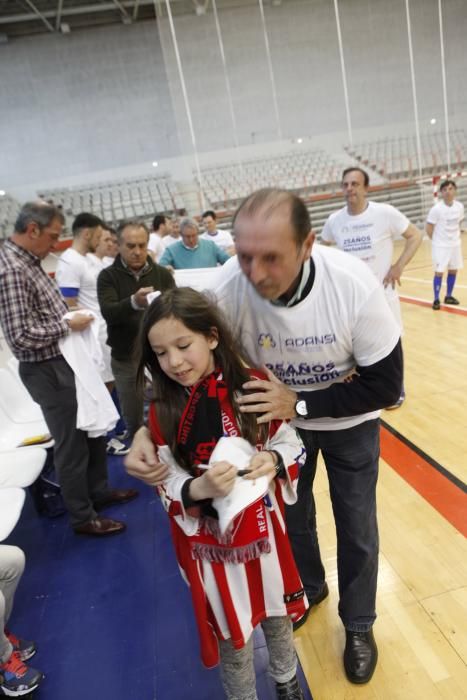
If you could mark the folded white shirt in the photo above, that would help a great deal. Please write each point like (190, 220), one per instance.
(82, 350)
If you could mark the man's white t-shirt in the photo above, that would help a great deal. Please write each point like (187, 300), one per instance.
(368, 236)
(80, 272)
(169, 240)
(97, 264)
(344, 321)
(74, 272)
(155, 245)
(446, 221)
(221, 237)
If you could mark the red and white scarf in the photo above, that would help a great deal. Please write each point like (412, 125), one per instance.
(208, 415)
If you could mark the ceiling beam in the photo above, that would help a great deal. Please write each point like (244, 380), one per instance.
(119, 5)
(40, 15)
(71, 11)
(58, 19)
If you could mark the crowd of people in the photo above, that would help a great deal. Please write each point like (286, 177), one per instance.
(326, 329)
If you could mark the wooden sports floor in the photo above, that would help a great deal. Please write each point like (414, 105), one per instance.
(421, 628)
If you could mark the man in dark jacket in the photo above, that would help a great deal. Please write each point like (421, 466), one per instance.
(122, 289)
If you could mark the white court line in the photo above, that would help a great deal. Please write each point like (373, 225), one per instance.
(416, 279)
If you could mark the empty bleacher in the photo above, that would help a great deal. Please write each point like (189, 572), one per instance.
(9, 209)
(395, 158)
(114, 201)
(304, 172)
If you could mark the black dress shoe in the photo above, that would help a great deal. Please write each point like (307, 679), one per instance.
(100, 527)
(360, 656)
(312, 603)
(115, 497)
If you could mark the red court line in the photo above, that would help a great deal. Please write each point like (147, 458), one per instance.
(447, 498)
(444, 307)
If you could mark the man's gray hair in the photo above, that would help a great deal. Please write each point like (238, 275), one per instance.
(131, 223)
(188, 223)
(39, 212)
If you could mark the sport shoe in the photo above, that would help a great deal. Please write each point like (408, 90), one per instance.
(123, 435)
(436, 305)
(18, 679)
(290, 690)
(451, 300)
(116, 448)
(25, 648)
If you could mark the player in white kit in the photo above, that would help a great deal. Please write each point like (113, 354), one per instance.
(443, 228)
(367, 230)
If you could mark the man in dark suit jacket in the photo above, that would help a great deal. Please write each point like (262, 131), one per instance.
(122, 289)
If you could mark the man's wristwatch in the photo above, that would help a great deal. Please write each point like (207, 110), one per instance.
(301, 409)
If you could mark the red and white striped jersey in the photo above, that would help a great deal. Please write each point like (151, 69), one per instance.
(230, 599)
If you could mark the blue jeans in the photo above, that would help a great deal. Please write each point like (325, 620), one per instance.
(351, 457)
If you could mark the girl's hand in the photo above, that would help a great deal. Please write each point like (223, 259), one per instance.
(217, 481)
(143, 462)
(262, 464)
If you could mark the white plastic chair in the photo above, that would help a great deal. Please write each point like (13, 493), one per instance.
(15, 399)
(11, 504)
(13, 434)
(21, 467)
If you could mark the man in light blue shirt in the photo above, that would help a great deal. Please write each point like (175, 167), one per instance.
(192, 251)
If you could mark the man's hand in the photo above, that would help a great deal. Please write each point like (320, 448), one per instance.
(142, 461)
(393, 276)
(262, 464)
(271, 397)
(217, 481)
(79, 321)
(140, 296)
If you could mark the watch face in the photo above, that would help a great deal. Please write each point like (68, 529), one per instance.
(301, 409)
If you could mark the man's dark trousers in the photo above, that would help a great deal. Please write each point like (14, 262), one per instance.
(80, 461)
(351, 457)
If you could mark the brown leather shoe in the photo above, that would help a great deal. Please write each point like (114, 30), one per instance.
(115, 497)
(100, 527)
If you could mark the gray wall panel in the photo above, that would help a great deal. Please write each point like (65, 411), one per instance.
(110, 97)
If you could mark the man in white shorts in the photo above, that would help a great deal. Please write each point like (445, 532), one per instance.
(443, 228)
(367, 230)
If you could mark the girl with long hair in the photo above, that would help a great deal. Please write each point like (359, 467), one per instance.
(245, 575)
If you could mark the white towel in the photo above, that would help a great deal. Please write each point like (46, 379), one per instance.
(81, 349)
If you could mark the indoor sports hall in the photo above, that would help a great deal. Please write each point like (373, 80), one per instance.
(131, 108)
